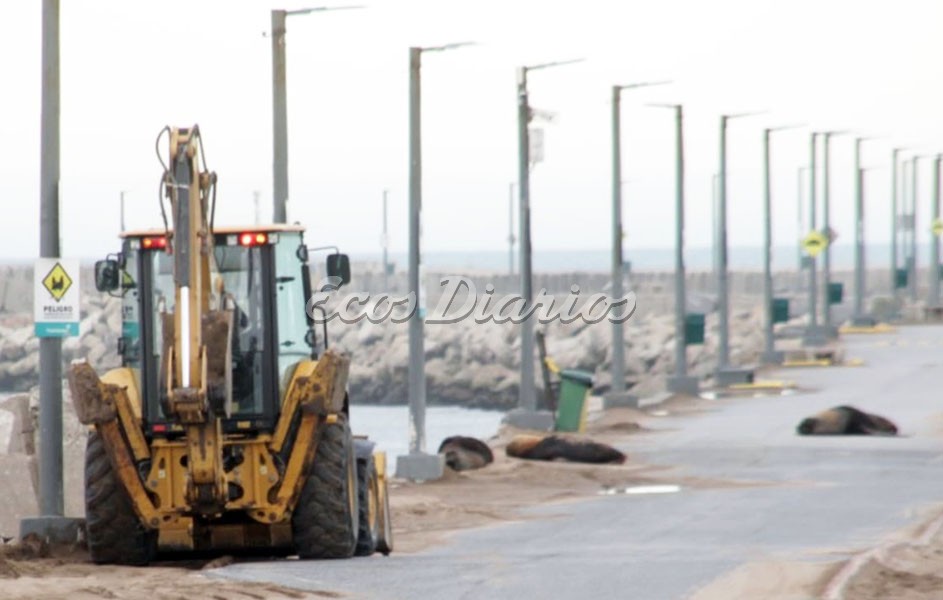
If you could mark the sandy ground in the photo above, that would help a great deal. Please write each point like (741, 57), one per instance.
(426, 514)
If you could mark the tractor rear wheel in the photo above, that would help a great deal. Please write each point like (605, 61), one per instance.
(325, 522)
(368, 497)
(114, 532)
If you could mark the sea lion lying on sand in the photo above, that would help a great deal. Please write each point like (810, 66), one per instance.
(846, 420)
(465, 453)
(552, 447)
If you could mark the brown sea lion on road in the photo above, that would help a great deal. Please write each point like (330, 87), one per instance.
(465, 453)
(846, 420)
(552, 447)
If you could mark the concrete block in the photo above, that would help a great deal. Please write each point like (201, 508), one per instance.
(773, 358)
(419, 466)
(732, 376)
(539, 420)
(619, 400)
(683, 384)
(863, 321)
(55, 529)
(816, 336)
(17, 471)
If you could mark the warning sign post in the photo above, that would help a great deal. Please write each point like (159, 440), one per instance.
(56, 297)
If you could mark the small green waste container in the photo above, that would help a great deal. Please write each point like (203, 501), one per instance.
(900, 278)
(693, 328)
(836, 292)
(571, 405)
(780, 310)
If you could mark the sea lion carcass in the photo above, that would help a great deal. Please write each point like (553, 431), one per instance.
(846, 420)
(464, 453)
(554, 447)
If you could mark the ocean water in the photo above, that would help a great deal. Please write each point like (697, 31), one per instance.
(388, 426)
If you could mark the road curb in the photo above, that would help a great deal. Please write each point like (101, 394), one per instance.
(835, 590)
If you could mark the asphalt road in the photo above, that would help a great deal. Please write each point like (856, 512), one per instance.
(830, 495)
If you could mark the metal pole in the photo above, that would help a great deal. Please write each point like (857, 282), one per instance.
(511, 238)
(618, 339)
(813, 283)
(50, 349)
(826, 218)
(279, 119)
(715, 231)
(894, 210)
(386, 248)
(904, 249)
(681, 359)
(934, 299)
(767, 253)
(800, 225)
(913, 230)
(417, 374)
(722, 289)
(527, 400)
(122, 211)
(859, 234)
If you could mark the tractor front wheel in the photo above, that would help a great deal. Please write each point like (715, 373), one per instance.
(114, 532)
(325, 523)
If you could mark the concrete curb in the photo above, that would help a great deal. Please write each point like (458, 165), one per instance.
(835, 590)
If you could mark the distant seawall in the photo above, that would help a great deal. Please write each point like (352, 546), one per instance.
(651, 287)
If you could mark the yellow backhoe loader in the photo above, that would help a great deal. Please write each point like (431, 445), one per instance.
(227, 426)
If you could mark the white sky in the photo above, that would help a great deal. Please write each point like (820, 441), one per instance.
(128, 68)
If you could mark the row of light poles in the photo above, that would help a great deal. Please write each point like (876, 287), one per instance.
(420, 465)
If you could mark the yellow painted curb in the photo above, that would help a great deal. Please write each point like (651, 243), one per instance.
(763, 385)
(879, 328)
(823, 362)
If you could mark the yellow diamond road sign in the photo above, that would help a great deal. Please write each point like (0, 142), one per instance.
(937, 227)
(814, 243)
(57, 282)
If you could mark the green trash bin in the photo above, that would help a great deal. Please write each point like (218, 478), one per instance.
(780, 310)
(900, 278)
(571, 405)
(693, 328)
(836, 292)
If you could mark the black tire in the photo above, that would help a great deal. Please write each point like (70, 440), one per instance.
(325, 522)
(114, 532)
(367, 497)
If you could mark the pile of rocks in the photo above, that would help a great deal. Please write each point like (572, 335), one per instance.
(467, 363)
(97, 342)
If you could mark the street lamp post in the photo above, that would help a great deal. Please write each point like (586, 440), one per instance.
(51, 524)
(860, 318)
(770, 356)
(895, 167)
(280, 107)
(618, 395)
(511, 238)
(417, 464)
(725, 375)
(934, 296)
(385, 240)
(680, 382)
(830, 331)
(526, 415)
(800, 222)
(912, 223)
(814, 336)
